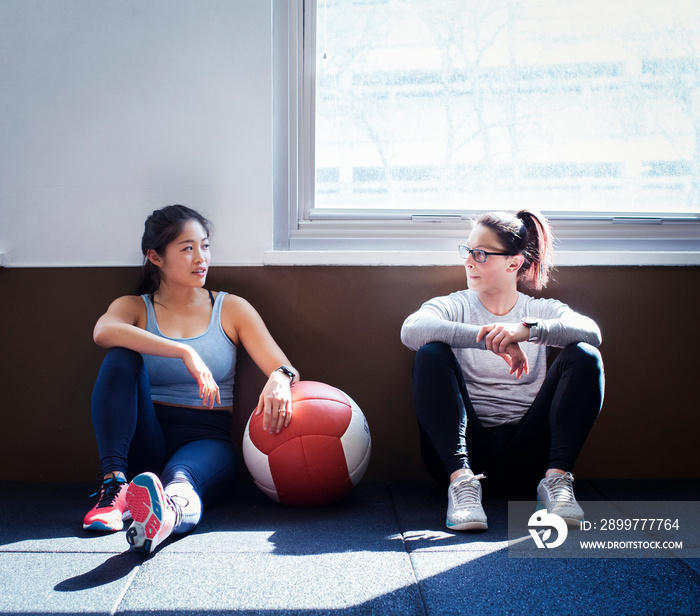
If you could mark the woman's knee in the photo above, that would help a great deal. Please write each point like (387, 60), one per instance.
(123, 358)
(121, 365)
(120, 369)
(584, 356)
(432, 354)
(584, 363)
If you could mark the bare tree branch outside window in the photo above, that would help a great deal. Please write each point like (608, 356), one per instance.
(559, 105)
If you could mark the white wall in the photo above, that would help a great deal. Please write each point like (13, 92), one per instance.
(109, 110)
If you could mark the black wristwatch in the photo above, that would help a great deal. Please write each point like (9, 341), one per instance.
(287, 372)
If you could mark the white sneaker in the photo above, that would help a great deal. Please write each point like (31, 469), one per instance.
(556, 494)
(464, 510)
(154, 513)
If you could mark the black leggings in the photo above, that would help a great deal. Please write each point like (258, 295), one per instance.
(178, 444)
(549, 435)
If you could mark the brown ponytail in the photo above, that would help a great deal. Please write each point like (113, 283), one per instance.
(526, 233)
(539, 249)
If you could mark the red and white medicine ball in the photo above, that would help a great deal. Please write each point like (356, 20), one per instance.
(319, 457)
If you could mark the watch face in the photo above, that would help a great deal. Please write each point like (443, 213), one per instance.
(286, 371)
(529, 322)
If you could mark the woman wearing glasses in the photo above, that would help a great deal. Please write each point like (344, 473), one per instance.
(487, 404)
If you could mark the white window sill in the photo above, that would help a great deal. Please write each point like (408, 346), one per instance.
(561, 258)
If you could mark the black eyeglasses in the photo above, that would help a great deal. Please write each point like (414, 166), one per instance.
(480, 255)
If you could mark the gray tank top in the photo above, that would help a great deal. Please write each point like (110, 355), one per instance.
(170, 381)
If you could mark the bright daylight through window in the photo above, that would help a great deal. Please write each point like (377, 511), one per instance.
(585, 110)
(556, 104)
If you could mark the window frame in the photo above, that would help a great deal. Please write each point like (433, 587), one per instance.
(303, 234)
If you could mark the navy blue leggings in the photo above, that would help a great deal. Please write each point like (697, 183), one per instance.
(549, 435)
(178, 444)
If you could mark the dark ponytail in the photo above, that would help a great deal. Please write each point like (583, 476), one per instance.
(525, 233)
(161, 228)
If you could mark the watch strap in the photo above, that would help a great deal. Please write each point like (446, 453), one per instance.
(533, 328)
(287, 372)
(534, 332)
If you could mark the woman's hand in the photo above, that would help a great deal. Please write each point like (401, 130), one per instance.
(275, 403)
(499, 336)
(502, 339)
(516, 359)
(208, 389)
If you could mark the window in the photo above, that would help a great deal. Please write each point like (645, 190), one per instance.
(409, 117)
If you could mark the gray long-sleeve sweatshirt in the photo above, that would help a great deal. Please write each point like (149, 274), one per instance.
(498, 397)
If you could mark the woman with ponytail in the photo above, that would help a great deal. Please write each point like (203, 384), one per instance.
(487, 405)
(161, 406)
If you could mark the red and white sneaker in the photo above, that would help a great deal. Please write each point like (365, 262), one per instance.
(154, 514)
(111, 509)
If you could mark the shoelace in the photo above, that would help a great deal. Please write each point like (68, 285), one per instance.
(466, 491)
(561, 487)
(177, 503)
(110, 491)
